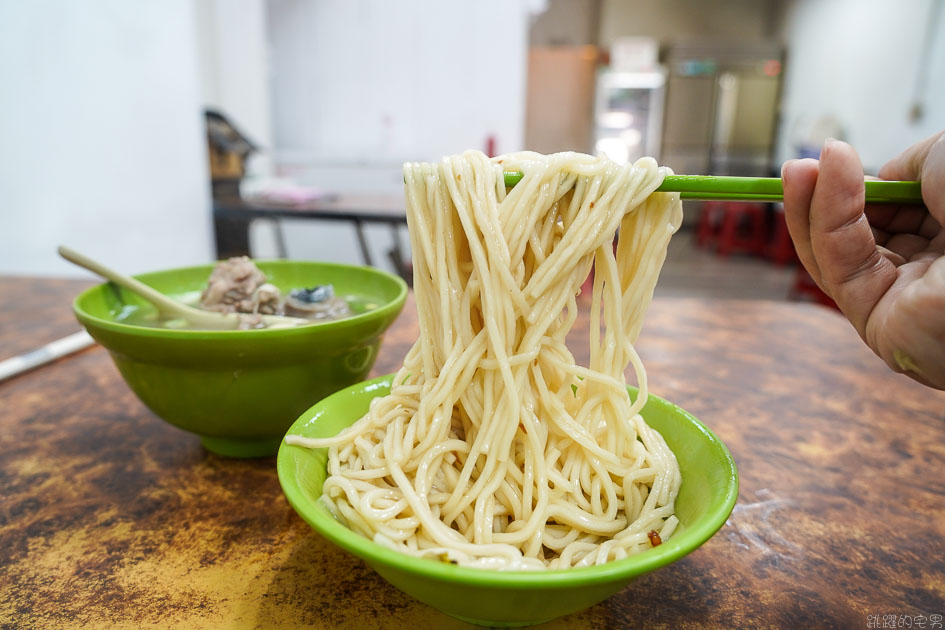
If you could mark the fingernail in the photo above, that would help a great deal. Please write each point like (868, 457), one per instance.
(784, 170)
(827, 143)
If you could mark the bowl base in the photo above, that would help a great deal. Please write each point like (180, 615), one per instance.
(230, 447)
(499, 624)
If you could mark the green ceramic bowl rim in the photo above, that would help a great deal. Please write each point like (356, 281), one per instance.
(673, 549)
(391, 307)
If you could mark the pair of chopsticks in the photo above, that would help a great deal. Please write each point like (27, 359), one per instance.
(46, 354)
(766, 189)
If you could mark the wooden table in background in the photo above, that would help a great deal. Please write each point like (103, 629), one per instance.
(111, 518)
(232, 217)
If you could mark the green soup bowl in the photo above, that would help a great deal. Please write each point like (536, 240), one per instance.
(239, 390)
(514, 598)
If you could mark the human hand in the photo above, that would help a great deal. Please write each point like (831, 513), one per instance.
(883, 265)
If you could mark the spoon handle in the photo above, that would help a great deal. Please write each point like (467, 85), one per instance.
(161, 301)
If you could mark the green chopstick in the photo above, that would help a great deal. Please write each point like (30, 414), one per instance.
(765, 189)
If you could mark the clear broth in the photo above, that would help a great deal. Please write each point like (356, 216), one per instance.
(147, 316)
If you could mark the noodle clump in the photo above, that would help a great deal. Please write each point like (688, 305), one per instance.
(494, 449)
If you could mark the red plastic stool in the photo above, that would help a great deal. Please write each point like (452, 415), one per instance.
(710, 220)
(805, 287)
(743, 229)
(781, 251)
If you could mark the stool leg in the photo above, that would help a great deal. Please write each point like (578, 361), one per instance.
(362, 243)
(782, 248)
(728, 233)
(706, 228)
(759, 231)
(280, 238)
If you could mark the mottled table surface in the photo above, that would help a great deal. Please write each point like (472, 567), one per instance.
(111, 518)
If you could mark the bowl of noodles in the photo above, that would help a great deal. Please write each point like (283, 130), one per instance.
(239, 389)
(495, 597)
(496, 477)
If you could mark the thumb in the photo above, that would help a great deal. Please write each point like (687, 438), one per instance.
(924, 161)
(853, 272)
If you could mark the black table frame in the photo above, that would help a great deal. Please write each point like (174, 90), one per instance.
(233, 217)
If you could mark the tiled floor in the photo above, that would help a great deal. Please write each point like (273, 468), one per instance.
(691, 271)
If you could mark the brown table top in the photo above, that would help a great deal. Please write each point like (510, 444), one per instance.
(111, 518)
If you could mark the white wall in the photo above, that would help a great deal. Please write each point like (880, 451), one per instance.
(360, 86)
(233, 52)
(370, 81)
(101, 136)
(858, 61)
